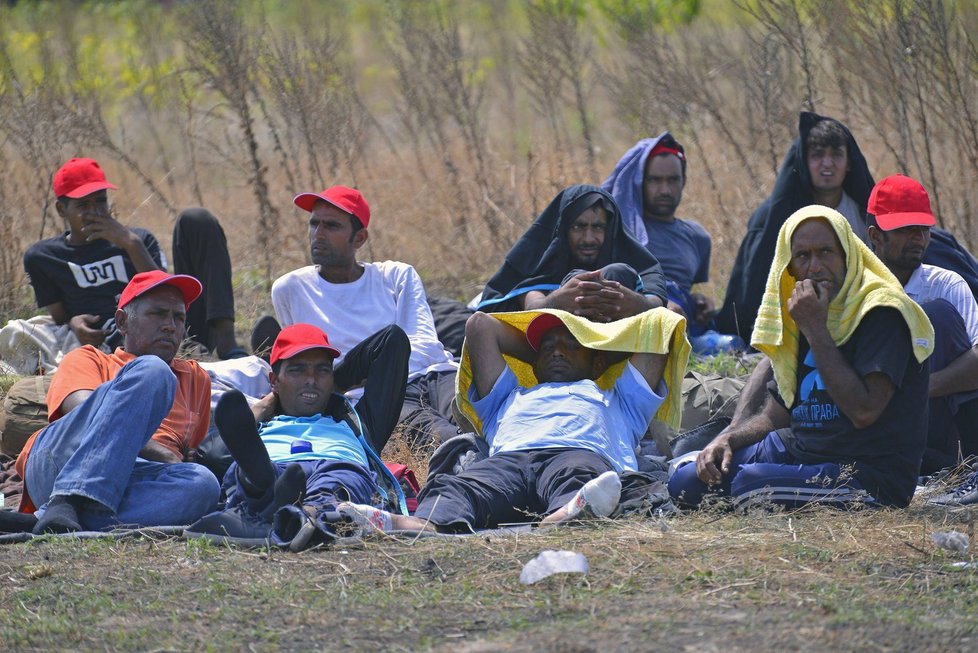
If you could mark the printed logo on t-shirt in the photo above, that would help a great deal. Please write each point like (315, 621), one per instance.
(815, 406)
(99, 272)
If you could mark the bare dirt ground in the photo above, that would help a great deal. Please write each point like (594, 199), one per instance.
(817, 579)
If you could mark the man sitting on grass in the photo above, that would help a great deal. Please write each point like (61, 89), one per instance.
(77, 276)
(556, 448)
(304, 451)
(578, 257)
(124, 425)
(846, 416)
(350, 299)
(900, 222)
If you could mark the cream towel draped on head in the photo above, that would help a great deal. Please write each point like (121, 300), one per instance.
(868, 284)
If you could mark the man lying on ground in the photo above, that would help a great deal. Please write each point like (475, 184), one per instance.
(303, 451)
(900, 221)
(845, 418)
(124, 424)
(556, 447)
(577, 257)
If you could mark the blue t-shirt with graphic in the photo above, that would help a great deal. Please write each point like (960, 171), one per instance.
(885, 455)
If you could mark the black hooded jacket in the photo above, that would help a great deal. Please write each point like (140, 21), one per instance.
(946, 252)
(541, 258)
(792, 191)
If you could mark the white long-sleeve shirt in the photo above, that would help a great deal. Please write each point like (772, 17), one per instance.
(389, 292)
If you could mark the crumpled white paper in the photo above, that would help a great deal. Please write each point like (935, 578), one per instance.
(951, 540)
(553, 562)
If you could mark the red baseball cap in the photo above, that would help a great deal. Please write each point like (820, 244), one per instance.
(297, 338)
(540, 326)
(342, 197)
(668, 148)
(80, 177)
(899, 201)
(143, 282)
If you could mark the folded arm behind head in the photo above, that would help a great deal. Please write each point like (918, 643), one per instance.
(486, 340)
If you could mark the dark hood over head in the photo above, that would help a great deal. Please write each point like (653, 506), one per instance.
(792, 191)
(541, 258)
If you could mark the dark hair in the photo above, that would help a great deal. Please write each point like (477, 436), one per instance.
(357, 226)
(277, 366)
(826, 133)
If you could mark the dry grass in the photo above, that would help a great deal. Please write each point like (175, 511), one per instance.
(807, 580)
(439, 115)
(451, 186)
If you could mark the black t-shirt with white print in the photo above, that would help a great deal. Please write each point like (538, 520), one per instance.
(885, 455)
(86, 278)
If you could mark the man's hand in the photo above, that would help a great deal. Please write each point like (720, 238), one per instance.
(85, 327)
(675, 308)
(705, 308)
(713, 462)
(603, 300)
(108, 228)
(156, 452)
(590, 296)
(809, 307)
(265, 408)
(597, 299)
(586, 294)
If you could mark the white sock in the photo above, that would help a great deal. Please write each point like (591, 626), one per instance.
(600, 495)
(370, 519)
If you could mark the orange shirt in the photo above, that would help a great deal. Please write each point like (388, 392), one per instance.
(87, 368)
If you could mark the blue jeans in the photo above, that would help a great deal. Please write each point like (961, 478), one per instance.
(768, 471)
(93, 452)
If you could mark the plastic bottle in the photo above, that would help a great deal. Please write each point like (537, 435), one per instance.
(711, 343)
(301, 446)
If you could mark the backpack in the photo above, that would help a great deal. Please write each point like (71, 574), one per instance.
(24, 412)
(391, 495)
(409, 484)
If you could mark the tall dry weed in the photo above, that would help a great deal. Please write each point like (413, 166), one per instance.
(460, 121)
(222, 52)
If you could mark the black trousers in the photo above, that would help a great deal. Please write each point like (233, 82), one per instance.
(200, 249)
(379, 363)
(510, 487)
(427, 409)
